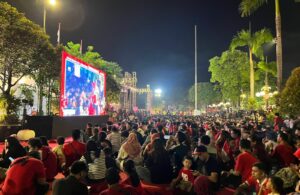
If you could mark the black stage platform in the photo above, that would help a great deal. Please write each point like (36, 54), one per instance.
(53, 126)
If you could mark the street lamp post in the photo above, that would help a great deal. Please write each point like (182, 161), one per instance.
(52, 3)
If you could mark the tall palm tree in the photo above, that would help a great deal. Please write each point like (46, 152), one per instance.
(254, 43)
(247, 7)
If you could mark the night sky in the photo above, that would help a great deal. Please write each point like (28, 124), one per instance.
(155, 38)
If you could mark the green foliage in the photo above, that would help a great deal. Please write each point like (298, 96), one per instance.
(23, 46)
(112, 69)
(230, 72)
(268, 67)
(247, 7)
(254, 41)
(289, 99)
(252, 104)
(206, 94)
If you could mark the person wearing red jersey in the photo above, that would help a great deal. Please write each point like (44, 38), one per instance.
(75, 149)
(23, 176)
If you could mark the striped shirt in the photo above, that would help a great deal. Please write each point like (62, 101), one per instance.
(97, 168)
(116, 141)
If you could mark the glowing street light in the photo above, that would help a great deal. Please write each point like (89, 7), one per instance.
(157, 92)
(52, 3)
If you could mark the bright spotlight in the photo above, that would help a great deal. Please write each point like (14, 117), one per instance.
(157, 92)
(52, 2)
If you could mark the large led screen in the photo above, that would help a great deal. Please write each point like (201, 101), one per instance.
(83, 88)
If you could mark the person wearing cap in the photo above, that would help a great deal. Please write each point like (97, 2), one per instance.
(208, 177)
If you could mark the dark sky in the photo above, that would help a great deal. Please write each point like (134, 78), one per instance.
(155, 38)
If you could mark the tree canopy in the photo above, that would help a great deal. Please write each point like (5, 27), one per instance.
(112, 69)
(207, 95)
(23, 46)
(230, 72)
(290, 96)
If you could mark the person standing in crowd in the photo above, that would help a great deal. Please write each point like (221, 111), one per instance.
(12, 150)
(72, 184)
(75, 149)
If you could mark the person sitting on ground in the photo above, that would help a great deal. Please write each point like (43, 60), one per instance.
(149, 146)
(58, 151)
(95, 160)
(208, 176)
(258, 149)
(131, 149)
(110, 161)
(148, 138)
(75, 149)
(283, 152)
(12, 150)
(95, 135)
(133, 177)
(24, 176)
(205, 140)
(114, 187)
(179, 151)
(48, 157)
(159, 164)
(72, 184)
(275, 185)
(104, 143)
(243, 165)
(185, 178)
(257, 183)
(115, 139)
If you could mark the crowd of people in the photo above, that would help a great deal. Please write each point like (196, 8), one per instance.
(185, 154)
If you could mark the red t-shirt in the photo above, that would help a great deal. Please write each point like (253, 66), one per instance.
(253, 183)
(243, 164)
(21, 178)
(186, 175)
(50, 162)
(73, 151)
(123, 189)
(284, 154)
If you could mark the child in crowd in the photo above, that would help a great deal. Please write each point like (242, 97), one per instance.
(185, 178)
(58, 151)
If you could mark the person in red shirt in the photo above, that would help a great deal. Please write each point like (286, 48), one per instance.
(114, 187)
(258, 182)
(244, 161)
(278, 122)
(23, 175)
(47, 156)
(75, 149)
(185, 178)
(283, 152)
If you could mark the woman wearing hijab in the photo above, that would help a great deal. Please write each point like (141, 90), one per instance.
(149, 146)
(131, 149)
